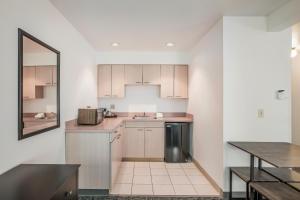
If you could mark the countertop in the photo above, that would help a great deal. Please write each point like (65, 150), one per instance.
(111, 124)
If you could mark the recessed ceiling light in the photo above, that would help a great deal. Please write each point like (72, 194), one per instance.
(170, 44)
(115, 44)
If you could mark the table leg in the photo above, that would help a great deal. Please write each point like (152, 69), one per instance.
(259, 164)
(251, 167)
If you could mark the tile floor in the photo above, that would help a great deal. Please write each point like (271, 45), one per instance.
(159, 178)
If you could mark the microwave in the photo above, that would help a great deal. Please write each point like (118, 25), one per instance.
(90, 116)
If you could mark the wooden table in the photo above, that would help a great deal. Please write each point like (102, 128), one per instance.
(40, 182)
(278, 154)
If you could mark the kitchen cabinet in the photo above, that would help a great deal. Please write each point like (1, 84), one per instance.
(144, 140)
(181, 81)
(30, 90)
(43, 76)
(174, 81)
(100, 156)
(111, 81)
(117, 81)
(154, 142)
(104, 81)
(151, 74)
(167, 81)
(133, 74)
(134, 143)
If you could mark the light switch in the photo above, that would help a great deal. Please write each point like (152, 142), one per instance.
(260, 113)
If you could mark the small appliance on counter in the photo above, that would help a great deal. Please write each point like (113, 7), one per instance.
(90, 116)
(108, 114)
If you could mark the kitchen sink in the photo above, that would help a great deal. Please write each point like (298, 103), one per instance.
(143, 117)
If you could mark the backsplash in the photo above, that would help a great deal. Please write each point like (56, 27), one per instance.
(144, 99)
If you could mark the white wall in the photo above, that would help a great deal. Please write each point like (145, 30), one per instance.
(35, 59)
(296, 87)
(206, 102)
(256, 65)
(78, 84)
(143, 98)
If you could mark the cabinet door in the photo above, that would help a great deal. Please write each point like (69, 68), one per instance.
(134, 143)
(167, 81)
(117, 81)
(151, 74)
(92, 151)
(28, 83)
(181, 81)
(104, 81)
(43, 76)
(133, 74)
(154, 142)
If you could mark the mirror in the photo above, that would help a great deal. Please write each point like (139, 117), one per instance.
(39, 107)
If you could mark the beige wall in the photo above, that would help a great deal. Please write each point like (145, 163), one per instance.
(296, 88)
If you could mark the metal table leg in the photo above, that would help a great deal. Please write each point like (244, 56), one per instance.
(230, 184)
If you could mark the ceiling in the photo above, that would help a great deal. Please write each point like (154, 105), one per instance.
(147, 25)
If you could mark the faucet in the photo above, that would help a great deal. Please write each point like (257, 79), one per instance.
(144, 114)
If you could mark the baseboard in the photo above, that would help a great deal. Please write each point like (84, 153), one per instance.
(209, 178)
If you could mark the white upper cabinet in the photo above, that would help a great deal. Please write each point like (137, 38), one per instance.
(43, 76)
(181, 81)
(111, 81)
(173, 79)
(133, 74)
(104, 81)
(151, 74)
(167, 81)
(117, 81)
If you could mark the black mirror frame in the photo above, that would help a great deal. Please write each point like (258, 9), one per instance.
(21, 136)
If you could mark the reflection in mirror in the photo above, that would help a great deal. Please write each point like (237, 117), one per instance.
(39, 104)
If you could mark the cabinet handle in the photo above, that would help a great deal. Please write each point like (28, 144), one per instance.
(177, 96)
(138, 82)
(107, 95)
(148, 130)
(147, 82)
(169, 96)
(140, 129)
(115, 131)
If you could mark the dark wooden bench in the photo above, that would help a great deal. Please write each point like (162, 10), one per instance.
(274, 191)
(244, 174)
(287, 175)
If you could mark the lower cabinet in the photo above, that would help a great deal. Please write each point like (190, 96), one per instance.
(154, 142)
(100, 156)
(144, 140)
(134, 143)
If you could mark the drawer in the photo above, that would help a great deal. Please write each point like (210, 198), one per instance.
(131, 124)
(154, 124)
(68, 191)
(144, 124)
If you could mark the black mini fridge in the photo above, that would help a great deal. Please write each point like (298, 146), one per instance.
(177, 143)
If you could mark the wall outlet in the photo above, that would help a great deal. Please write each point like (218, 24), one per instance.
(260, 113)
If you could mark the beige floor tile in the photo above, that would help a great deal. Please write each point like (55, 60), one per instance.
(188, 165)
(192, 172)
(142, 171)
(198, 180)
(159, 172)
(141, 164)
(161, 180)
(142, 190)
(205, 190)
(142, 180)
(121, 189)
(173, 165)
(127, 164)
(179, 180)
(126, 170)
(184, 190)
(163, 190)
(124, 178)
(175, 172)
(157, 165)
